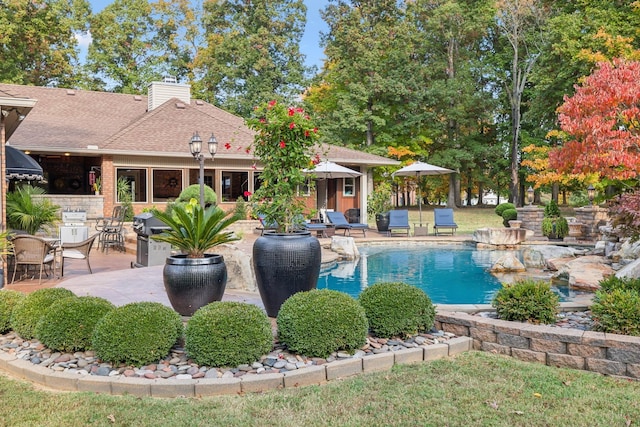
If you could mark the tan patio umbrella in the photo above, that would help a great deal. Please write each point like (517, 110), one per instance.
(419, 169)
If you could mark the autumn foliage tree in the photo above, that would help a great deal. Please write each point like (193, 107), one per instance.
(600, 123)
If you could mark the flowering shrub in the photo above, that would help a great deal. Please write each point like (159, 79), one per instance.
(284, 142)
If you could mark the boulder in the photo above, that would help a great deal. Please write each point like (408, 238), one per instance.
(508, 263)
(537, 256)
(500, 236)
(627, 250)
(239, 270)
(585, 272)
(631, 270)
(345, 247)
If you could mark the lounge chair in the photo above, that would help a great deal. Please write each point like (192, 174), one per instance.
(399, 220)
(443, 219)
(264, 226)
(319, 229)
(340, 223)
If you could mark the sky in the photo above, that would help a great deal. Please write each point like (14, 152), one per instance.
(309, 46)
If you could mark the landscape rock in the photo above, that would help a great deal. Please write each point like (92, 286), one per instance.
(240, 273)
(537, 256)
(585, 272)
(345, 247)
(631, 270)
(508, 263)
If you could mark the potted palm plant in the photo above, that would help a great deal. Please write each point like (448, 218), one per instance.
(287, 260)
(379, 205)
(194, 278)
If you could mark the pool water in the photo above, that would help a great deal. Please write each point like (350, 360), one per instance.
(449, 275)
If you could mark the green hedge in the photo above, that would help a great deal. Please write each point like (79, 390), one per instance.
(137, 334)
(27, 313)
(228, 334)
(320, 322)
(397, 309)
(68, 324)
(527, 301)
(8, 300)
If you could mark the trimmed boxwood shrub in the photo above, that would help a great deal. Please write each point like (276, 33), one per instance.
(617, 311)
(227, 334)
(509, 215)
(28, 312)
(397, 309)
(136, 334)
(527, 301)
(68, 324)
(503, 207)
(8, 300)
(319, 322)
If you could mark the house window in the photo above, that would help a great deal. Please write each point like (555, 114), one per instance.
(137, 182)
(167, 184)
(305, 190)
(234, 184)
(348, 187)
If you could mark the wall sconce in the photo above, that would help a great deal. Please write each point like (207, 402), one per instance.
(530, 195)
(591, 193)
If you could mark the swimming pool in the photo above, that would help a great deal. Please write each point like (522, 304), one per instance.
(448, 274)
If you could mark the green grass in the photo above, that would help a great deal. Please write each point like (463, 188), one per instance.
(472, 389)
(468, 219)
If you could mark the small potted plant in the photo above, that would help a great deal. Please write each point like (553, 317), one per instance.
(379, 205)
(287, 260)
(554, 225)
(194, 278)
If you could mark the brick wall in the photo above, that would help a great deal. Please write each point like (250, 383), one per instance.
(608, 354)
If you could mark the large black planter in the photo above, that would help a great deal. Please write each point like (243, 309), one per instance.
(192, 283)
(382, 221)
(285, 263)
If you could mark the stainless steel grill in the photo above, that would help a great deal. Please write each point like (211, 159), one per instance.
(73, 228)
(148, 251)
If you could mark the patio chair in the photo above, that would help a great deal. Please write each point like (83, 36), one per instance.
(31, 250)
(443, 219)
(264, 226)
(318, 228)
(399, 220)
(112, 234)
(340, 223)
(79, 250)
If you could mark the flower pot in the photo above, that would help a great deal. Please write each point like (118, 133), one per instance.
(514, 223)
(382, 222)
(284, 264)
(192, 283)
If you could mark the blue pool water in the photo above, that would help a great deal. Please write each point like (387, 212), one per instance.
(449, 275)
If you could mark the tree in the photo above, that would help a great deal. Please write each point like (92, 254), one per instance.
(601, 122)
(38, 44)
(251, 53)
(521, 23)
(132, 47)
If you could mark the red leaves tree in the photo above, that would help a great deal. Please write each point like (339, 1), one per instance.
(600, 124)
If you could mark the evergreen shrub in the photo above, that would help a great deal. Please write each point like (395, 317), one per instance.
(503, 207)
(136, 334)
(527, 301)
(397, 309)
(319, 322)
(613, 282)
(616, 306)
(27, 313)
(509, 215)
(228, 334)
(8, 300)
(68, 324)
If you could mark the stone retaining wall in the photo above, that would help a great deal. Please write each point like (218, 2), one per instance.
(608, 354)
(161, 387)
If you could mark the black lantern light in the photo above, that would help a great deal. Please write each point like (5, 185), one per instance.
(591, 193)
(195, 146)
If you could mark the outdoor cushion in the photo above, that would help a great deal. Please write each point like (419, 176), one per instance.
(399, 220)
(340, 222)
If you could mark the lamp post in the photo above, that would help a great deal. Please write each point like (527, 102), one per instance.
(530, 195)
(195, 145)
(591, 193)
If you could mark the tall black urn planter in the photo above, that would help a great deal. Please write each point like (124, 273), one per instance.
(382, 221)
(285, 263)
(192, 283)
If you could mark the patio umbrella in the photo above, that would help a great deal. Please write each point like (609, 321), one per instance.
(330, 170)
(21, 166)
(419, 169)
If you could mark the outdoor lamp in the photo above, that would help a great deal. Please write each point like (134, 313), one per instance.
(591, 193)
(530, 195)
(195, 146)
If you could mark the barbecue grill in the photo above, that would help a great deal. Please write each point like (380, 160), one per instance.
(148, 251)
(73, 228)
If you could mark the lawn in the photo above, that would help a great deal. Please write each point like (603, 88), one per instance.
(472, 389)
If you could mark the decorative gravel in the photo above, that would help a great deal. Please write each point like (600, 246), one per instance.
(178, 366)
(567, 319)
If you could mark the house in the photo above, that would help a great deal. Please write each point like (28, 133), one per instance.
(78, 136)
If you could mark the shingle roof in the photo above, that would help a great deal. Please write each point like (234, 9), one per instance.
(72, 120)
